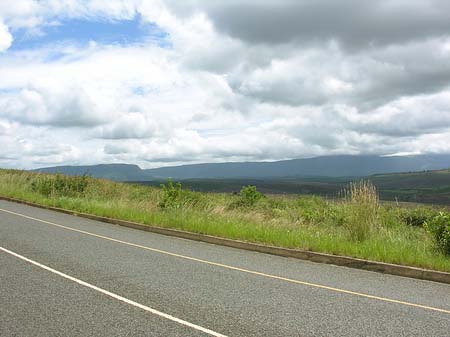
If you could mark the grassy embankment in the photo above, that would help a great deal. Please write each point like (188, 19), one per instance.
(358, 225)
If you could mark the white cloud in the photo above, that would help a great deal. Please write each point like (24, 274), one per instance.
(129, 126)
(222, 89)
(5, 37)
(61, 107)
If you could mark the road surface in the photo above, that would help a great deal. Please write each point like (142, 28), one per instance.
(61, 275)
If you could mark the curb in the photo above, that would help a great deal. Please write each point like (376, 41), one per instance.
(380, 267)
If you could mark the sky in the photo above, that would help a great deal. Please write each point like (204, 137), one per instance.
(158, 83)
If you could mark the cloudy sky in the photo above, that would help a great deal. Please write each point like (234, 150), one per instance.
(156, 83)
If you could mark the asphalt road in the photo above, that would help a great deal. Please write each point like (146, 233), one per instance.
(62, 275)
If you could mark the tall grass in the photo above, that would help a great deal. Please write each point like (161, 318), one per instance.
(363, 206)
(356, 225)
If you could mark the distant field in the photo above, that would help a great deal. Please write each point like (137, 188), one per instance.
(353, 225)
(268, 186)
(431, 187)
(424, 187)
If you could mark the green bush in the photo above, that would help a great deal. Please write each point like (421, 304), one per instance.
(439, 227)
(171, 195)
(248, 197)
(418, 216)
(174, 197)
(60, 185)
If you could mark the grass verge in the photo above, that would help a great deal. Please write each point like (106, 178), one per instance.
(356, 226)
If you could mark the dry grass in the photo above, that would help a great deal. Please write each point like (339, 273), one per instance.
(363, 205)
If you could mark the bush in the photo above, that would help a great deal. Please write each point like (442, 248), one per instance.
(439, 227)
(418, 216)
(174, 197)
(248, 197)
(362, 209)
(171, 195)
(60, 185)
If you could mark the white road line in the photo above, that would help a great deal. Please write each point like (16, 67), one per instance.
(314, 285)
(115, 296)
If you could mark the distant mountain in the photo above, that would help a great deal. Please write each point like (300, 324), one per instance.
(329, 166)
(119, 172)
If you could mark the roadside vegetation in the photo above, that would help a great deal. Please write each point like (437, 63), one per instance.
(354, 224)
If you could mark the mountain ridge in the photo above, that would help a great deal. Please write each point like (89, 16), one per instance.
(326, 166)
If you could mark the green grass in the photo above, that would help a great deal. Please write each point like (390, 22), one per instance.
(304, 222)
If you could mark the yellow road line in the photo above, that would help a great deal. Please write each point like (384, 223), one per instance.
(342, 291)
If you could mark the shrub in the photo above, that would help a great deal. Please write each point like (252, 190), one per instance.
(362, 209)
(174, 197)
(417, 217)
(171, 195)
(60, 185)
(248, 197)
(42, 185)
(439, 227)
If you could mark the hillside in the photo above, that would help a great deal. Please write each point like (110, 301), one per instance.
(330, 166)
(118, 172)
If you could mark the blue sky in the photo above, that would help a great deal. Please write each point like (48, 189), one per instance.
(82, 31)
(210, 81)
